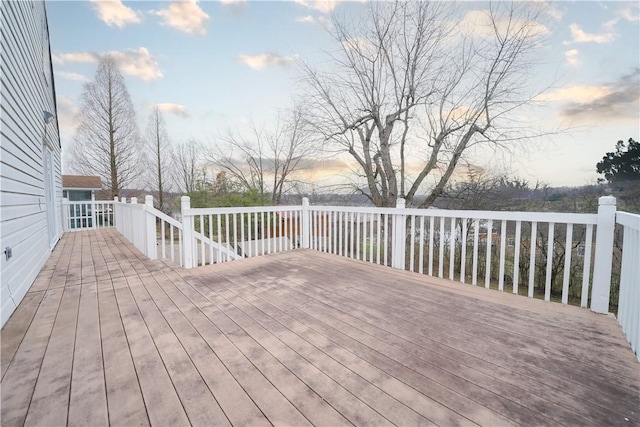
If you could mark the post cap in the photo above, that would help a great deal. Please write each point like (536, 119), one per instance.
(400, 202)
(305, 201)
(148, 199)
(134, 200)
(607, 201)
(115, 198)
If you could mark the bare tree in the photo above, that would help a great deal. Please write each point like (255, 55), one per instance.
(187, 165)
(411, 89)
(106, 142)
(265, 161)
(160, 155)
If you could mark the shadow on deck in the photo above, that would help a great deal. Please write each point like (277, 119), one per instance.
(106, 336)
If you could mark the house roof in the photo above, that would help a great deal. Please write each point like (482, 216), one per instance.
(81, 182)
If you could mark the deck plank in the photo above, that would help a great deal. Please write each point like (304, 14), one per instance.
(50, 400)
(125, 403)
(107, 336)
(15, 331)
(20, 379)
(88, 404)
(161, 399)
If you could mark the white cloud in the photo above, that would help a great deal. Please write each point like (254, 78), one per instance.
(572, 57)
(63, 58)
(67, 114)
(577, 93)
(306, 19)
(70, 76)
(113, 12)
(227, 2)
(185, 16)
(578, 35)
(629, 12)
(479, 23)
(139, 63)
(263, 60)
(176, 109)
(324, 6)
(552, 10)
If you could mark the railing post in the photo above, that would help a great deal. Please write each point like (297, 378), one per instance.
(306, 224)
(116, 215)
(187, 232)
(65, 214)
(94, 217)
(399, 241)
(603, 255)
(152, 243)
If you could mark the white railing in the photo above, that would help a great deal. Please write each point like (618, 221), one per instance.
(629, 296)
(151, 231)
(226, 234)
(553, 256)
(87, 215)
(497, 249)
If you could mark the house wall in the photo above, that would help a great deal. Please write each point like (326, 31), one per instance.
(27, 89)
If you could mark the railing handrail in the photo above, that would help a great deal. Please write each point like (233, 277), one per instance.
(555, 217)
(216, 245)
(242, 209)
(628, 219)
(163, 216)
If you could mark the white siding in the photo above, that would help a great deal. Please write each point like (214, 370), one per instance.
(26, 91)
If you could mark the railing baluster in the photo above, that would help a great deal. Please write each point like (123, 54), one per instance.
(358, 236)
(503, 249)
(351, 234)
(180, 252)
(463, 251)
(210, 238)
(171, 245)
(246, 251)
(516, 257)
(441, 249)
(379, 224)
(339, 243)
(421, 251)
(547, 280)
(532, 258)
(431, 228)
(476, 243)
(452, 247)
(226, 236)
(162, 236)
(242, 216)
(218, 251)
(586, 267)
(370, 216)
(386, 239)
(262, 235)
(487, 264)
(202, 249)
(235, 234)
(568, 246)
(412, 250)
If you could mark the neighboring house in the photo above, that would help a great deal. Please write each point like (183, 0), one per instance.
(79, 188)
(30, 172)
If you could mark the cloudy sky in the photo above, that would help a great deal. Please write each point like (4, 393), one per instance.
(212, 66)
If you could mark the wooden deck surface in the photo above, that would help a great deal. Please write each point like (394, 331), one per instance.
(106, 336)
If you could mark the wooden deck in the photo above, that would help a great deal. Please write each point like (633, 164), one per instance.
(106, 336)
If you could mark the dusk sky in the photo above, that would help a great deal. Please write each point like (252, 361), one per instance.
(213, 66)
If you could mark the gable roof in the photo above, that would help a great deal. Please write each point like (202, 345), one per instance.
(81, 182)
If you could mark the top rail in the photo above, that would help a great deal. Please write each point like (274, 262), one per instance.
(565, 218)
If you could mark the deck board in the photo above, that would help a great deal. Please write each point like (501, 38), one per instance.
(106, 336)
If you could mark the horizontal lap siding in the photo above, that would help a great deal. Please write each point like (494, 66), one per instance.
(27, 91)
